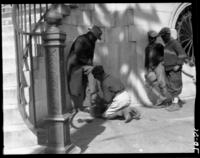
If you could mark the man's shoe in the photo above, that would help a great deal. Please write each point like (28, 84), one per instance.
(166, 103)
(86, 109)
(181, 102)
(127, 114)
(160, 102)
(173, 107)
(135, 113)
(87, 120)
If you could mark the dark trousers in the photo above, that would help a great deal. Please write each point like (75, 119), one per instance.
(82, 84)
(174, 83)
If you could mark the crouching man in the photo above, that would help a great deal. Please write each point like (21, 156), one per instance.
(111, 100)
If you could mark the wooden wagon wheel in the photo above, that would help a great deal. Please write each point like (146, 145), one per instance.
(185, 33)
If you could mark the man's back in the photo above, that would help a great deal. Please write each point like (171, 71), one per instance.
(110, 87)
(83, 48)
(153, 55)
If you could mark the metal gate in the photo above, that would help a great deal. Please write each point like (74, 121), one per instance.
(28, 20)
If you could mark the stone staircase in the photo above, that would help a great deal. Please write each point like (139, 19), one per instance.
(18, 138)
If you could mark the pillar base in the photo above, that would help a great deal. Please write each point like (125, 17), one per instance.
(69, 149)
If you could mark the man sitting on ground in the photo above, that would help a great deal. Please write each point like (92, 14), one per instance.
(111, 97)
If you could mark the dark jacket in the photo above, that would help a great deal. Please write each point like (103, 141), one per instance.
(174, 54)
(153, 58)
(81, 53)
(103, 94)
(110, 86)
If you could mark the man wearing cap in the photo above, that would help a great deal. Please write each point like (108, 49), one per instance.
(155, 73)
(79, 63)
(174, 56)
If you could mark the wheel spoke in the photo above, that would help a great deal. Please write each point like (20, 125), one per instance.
(193, 51)
(184, 38)
(182, 41)
(184, 33)
(187, 44)
(190, 23)
(186, 29)
(187, 24)
(193, 57)
(190, 53)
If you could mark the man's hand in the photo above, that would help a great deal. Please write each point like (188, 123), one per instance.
(90, 62)
(93, 98)
(176, 68)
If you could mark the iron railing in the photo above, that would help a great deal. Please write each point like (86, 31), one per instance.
(29, 24)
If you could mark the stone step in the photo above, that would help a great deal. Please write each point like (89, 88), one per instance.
(6, 8)
(9, 36)
(8, 45)
(7, 29)
(42, 134)
(9, 79)
(7, 21)
(12, 116)
(10, 106)
(36, 149)
(16, 136)
(9, 95)
(8, 50)
(9, 65)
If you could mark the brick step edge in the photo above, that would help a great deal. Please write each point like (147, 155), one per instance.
(19, 136)
(37, 149)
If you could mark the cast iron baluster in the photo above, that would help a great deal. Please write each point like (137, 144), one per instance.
(40, 10)
(35, 37)
(30, 28)
(21, 22)
(25, 22)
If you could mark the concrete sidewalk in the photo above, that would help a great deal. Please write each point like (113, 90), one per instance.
(158, 131)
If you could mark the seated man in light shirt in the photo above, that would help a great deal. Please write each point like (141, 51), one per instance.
(111, 98)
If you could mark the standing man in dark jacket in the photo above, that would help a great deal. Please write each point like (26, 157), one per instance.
(152, 35)
(79, 64)
(174, 56)
(112, 96)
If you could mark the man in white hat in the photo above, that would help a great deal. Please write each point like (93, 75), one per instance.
(79, 63)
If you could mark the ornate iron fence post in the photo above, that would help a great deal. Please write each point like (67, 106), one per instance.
(58, 117)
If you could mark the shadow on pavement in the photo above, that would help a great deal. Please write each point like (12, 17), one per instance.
(84, 135)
